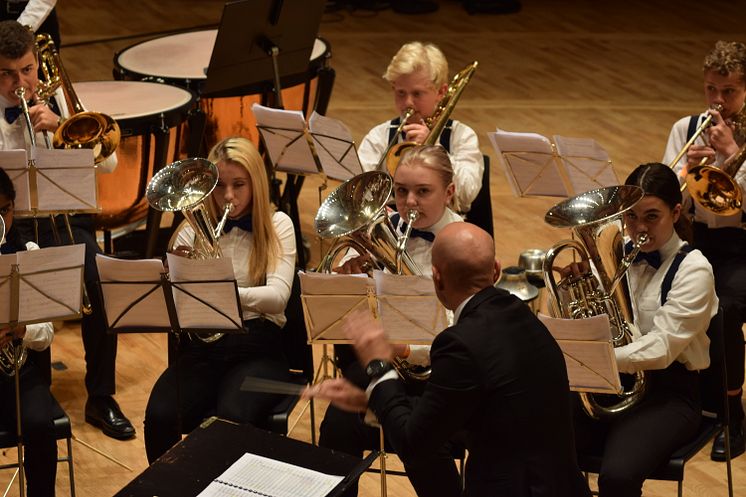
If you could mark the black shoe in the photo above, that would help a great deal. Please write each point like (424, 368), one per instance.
(737, 444)
(102, 411)
(414, 6)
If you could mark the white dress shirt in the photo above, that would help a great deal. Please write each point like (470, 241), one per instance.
(675, 331)
(676, 141)
(39, 335)
(466, 158)
(268, 300)
(35, 13)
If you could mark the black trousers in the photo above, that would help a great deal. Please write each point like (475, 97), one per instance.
(636, 443)
(206, 380)
(725, 248)
(37, 425)
(100, 347)
(434, 476)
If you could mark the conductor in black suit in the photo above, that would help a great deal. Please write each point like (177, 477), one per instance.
(498, 378)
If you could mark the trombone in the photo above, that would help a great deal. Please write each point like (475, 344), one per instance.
(715, 189)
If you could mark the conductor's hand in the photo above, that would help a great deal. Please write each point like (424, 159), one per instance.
(696, 153)
(340, 393)
(367, 337)
(416, 132)
(8, 334)
(720, 135)
(43, 118)
(356, 265)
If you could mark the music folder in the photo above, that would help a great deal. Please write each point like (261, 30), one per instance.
(589, 352)
(321, 145)
(406, 305)
(535, 166)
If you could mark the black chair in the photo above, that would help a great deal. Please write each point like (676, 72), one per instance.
(62, 426)
(481, 209)
(714, 397)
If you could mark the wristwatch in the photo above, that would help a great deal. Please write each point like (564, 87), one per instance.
(377, 368)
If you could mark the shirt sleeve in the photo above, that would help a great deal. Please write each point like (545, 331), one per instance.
(468, 164)
(35, 13)
(373, 146)
(38, 336)
(272, 297)
(686, 315)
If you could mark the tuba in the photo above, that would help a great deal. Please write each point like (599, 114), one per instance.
(595, 218)
(11, 354)
(82, 129)
(437, 121)
(355, 215)
(185, 186)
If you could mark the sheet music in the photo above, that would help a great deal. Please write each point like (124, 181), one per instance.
(15, 163)
(5, 287)
(409, 309)
(529, 163)
(334, 284)
(252, 475)
(588, 351)
(586, 162)
(51, 282)
(334, 147)
(218, 293)
(65, 179)
(149, 312)
(283, 132)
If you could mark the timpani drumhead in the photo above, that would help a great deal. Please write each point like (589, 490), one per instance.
(182, 56)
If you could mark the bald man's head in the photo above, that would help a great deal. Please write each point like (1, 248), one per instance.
(464, 257)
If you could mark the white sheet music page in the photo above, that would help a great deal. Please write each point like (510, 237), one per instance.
(15, 163)
(151, 310)
(328, 298)
(586, 162)
(211, 283)
(588, 351)
(51, 283)
(529, 163)
(65, 179)
(334, 147)
(283, 134)
(252, 475)
(409, 309)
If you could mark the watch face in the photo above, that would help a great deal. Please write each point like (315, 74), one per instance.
(377, 367)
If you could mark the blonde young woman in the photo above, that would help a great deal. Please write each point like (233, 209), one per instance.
(261, 244)
(422, 182)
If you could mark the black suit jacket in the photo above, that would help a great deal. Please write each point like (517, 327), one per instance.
(499, 376)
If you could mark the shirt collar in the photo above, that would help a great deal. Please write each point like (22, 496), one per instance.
(444, 220)
(457, 312)
(670, 248)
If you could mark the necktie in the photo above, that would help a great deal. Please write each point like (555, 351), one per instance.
(12, 113)
(652, 258)
(243, 223)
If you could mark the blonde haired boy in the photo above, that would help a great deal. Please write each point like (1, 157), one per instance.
(418, 74)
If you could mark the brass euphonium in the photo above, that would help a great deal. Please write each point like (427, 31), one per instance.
(83, 129)
(355, 214)
(438, 120)
(185, 186)
(10, 354)
(595, 218)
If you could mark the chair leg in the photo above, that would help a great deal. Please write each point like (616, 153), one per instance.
(681, 488)
(71, 471)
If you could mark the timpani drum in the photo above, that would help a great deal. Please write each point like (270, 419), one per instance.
(149, 115)
(182, 60)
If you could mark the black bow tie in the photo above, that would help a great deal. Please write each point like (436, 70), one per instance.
(402, 228)
(12, 113)
(243, 223)
(652, 258)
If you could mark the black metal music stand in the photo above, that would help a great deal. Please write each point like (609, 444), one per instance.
(262, 45)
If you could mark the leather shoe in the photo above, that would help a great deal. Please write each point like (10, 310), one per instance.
(737, 444)
(103, 412)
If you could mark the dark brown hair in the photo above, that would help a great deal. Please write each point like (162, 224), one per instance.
(16, 40)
